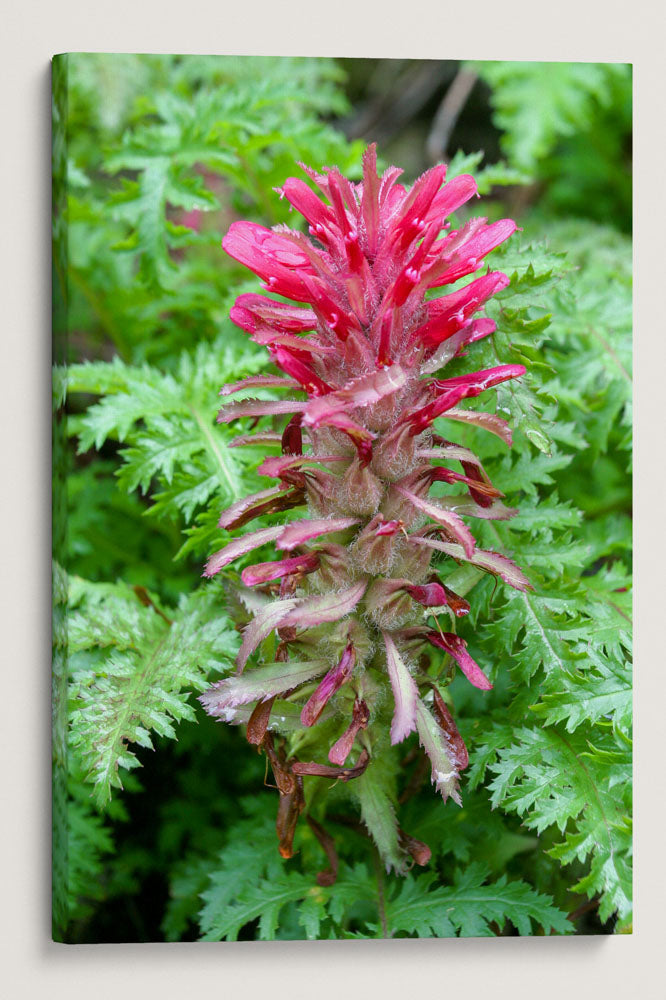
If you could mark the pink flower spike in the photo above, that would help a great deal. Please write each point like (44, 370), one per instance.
(488, 421)
(452, 391)
(443, 757)
(360, 392)
(259, 437)
(266, 502)
(228, 516)
(370, 199)
(384, 348)
(478, 382)
(451, 197)
(389, 528)
(363, 341)
(429, 595)
(343, 746)
(480, 488)
(261, 249)
(470, 252)
(343, 199)
(327, 771)
(276, 465)
(264, 682)
(474, 331)
(331, 313)
(360, 437)
(417, 205)
(450, 313)
(300, 369)
(492, 562)
(458, 754)
(292, 436)
(268, 337)
(260, 627)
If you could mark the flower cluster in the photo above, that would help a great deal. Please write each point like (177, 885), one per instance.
(352, 593)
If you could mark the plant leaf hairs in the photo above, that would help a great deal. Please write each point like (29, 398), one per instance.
(351, 595)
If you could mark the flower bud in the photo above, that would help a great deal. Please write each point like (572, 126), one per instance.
(361, 491)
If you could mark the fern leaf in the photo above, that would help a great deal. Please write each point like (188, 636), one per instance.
(143, 682)
(266, 888)
(375, 791)
(169, 428)
(537, 102)
(550, 777)
(601, 689)
(470, 906)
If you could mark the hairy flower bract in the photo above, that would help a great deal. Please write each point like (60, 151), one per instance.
(351, 596)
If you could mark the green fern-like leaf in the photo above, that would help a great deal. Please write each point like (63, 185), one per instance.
(266, 887)
(550, 777)
(167, 423)
(601, 690)
(146, 663)
(535, 103)
(375, 790)
(470, 906)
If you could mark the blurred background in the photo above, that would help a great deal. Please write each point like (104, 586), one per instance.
(565, 129)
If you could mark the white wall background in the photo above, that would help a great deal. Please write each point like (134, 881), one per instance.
(588, 30)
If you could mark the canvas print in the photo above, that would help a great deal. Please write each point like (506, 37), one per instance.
(342, 498)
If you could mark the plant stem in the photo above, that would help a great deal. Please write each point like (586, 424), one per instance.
(448, 112)
(226, 475)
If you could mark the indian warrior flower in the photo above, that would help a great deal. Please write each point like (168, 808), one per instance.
(350, 593)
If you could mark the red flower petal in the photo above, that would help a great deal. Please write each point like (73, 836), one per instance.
(331, 683)
(457, 647)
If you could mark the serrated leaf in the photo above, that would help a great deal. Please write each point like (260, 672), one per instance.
(549, 778)
(155, 660)
(375, 793)
(469, 906)
(537, 102)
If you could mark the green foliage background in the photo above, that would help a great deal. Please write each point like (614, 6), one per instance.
(154, 156)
